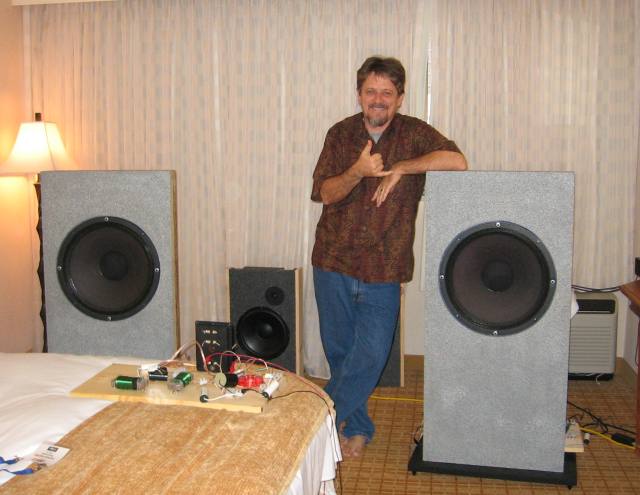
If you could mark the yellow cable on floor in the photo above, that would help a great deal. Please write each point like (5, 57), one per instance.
(594, 432)
(401, 399)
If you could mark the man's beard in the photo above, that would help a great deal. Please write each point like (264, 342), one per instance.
(378, 121)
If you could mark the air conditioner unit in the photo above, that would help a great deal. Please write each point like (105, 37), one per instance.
(592, 342)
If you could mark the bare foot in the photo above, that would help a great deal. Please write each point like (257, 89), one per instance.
(354, 446)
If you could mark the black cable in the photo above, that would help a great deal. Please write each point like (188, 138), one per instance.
(599, 422)
(582, 288)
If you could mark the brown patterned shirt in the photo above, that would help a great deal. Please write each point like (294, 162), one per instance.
(353, 236)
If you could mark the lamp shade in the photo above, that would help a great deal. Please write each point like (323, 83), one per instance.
(38, 147)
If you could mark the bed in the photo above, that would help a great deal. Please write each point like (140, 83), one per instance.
(291, 447)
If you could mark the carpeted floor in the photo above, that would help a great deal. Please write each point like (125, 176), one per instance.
(603, 469)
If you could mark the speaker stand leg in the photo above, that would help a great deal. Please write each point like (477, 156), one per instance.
(567, 477)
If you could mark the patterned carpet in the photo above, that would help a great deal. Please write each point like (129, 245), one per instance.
(603, 469)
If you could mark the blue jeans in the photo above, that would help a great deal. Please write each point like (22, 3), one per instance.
(357, 325)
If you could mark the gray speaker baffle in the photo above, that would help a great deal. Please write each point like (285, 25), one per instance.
(108, 268)
(497, 278)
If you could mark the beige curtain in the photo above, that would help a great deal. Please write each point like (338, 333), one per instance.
(236, 96)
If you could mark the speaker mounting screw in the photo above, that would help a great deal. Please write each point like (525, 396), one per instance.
(156, 269)
(553, 282)
(495, 333)
(59, 268)
(108, 318)
(441, 277)
(106, 219)
(498, 224)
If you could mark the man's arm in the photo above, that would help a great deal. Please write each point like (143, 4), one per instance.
(338, 187)
(436, 160)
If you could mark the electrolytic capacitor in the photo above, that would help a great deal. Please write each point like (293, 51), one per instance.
(122, 382)
(271, 388)
(204, 394)
(180, 381)
(225, 380)
(159, 374)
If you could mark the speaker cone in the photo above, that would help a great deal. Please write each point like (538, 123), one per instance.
(262, 332)
(497, 278)
(108, 268)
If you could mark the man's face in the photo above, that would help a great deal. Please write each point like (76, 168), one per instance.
(379, 100)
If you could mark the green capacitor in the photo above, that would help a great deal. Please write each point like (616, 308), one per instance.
(122, 382)
(180, 381)
(184, 377)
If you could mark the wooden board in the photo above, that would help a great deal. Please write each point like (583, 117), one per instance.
(632, 291)
(157, 392)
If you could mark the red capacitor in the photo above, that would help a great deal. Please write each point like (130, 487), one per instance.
(250, 381)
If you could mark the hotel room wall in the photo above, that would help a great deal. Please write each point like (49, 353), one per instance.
(19, 290)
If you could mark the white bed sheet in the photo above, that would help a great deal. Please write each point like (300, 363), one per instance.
(35, 407)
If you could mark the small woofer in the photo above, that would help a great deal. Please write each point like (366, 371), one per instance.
(263, 333)
(497, 278)
(108, 268)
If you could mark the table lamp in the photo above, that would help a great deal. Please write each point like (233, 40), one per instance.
(38, 147)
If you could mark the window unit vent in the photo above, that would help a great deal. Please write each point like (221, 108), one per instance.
(592, 342)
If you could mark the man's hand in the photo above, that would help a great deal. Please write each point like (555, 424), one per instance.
(338, 187)
(386, 186)
(369, 165)
(436, 160)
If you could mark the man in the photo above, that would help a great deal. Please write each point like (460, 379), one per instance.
(369, 177)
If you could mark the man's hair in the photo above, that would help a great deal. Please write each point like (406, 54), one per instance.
(382, 66)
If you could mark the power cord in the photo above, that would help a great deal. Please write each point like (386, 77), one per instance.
(620, 439)
(582, 288)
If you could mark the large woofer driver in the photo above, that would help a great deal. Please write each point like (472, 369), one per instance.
(262, 332)
(108, 268)
(497, 278)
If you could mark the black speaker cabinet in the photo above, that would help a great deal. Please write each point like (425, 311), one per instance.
(498, 306)
(215, 338)
(109, 262)
(265, 312)
(393, 372)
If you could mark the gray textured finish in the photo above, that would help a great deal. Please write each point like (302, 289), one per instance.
(497, 401)
(145, 198)
(247, 288)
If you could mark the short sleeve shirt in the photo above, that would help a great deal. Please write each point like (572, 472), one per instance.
(353, 236)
